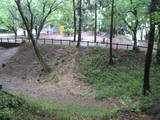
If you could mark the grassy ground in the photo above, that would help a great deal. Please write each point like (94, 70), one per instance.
(22, 108)
(122, 80)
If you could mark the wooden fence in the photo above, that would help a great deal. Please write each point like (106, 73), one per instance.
(69, 42)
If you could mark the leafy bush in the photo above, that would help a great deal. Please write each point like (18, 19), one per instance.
(68, 31)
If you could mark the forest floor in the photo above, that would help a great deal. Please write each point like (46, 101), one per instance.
(22, 74)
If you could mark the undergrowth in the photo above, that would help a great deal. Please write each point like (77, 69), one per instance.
(122, 80)
(23, 108)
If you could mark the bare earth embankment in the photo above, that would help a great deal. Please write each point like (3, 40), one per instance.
(23, 74)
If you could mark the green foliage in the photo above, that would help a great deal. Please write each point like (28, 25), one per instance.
(124, 79)
(68, 31)
(9, 18)
(63, 16)
(6, 114)
(10, 105)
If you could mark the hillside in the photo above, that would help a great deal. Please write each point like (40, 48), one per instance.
(81, 83)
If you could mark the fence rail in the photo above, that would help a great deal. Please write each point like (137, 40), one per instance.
(69, 42)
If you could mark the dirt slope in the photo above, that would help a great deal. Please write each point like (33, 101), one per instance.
(23, 74)
(5, 54)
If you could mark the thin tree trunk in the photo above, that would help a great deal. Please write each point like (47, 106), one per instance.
(111, 33)
(36, 29)
(80, 23)
(15, 33)
(75, 20)
(39, 31)
(158, 46)
(135, 47)
(43, 63)
(41, 60)
(141, 34)
(95, 30)
(146, 82)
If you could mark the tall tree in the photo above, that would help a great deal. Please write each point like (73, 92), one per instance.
(95, 29)
(111, 33)
(75, 20)
(80, 23)
(12, 22)
(29, 22)
(10, 18)
(44, 10)
(146, 81)
(133, 14)
(158, 46)
(157, 15)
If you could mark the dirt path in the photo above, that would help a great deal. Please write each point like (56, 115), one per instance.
(5, 54)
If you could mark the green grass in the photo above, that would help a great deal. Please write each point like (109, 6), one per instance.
(122, 80)
(11, 108)
(23, 108)
(68, 110)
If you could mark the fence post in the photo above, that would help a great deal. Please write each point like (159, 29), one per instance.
(15, 39)
(8, 40)
(106, 44)
(44, 41)
(60, 42)
(1, 40)
(52, 41)
(22, 39)
(87, 43)
(127, 46)
(69, 43)
(117, 46)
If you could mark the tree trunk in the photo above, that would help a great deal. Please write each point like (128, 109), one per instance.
(95, 30)
(36, 30)
(158, 47)
(111, 33)
(40, 58)
(146, 82)
(141, 34)
(15, 33)
(135, 47)
(80, 23)
(39, 31)
(75, 20)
